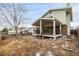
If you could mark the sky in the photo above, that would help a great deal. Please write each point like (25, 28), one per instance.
(36, 10)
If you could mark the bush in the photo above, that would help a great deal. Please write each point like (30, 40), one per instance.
(4, 33)
(5, 30)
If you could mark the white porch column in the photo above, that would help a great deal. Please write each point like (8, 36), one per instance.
(60, 29)
(54, 29)
(40, 27)
(33, 30)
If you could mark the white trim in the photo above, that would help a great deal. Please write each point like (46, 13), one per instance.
(68, 25)
(47, 18)
(40, 27)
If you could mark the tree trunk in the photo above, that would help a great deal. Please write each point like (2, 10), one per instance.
(16, 32)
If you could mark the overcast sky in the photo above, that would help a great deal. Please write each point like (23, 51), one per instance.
(35, 10)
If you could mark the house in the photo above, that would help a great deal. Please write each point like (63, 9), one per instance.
(54, 23)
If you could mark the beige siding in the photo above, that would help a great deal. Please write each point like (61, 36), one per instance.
(60, 15)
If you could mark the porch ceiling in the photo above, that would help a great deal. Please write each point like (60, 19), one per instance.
(46, 22)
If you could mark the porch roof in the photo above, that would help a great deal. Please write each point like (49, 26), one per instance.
(46, 22)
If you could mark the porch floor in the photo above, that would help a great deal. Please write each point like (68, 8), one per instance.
(48, 35)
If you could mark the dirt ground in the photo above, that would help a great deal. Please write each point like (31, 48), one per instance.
(29, 46)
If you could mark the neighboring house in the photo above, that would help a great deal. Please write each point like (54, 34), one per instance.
(24, 30)
(54, 23)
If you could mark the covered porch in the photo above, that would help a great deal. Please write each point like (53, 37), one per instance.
(47, 27)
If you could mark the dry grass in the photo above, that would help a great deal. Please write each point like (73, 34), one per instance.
(29, 45)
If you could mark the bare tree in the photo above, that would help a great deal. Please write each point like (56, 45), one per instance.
(14, 15)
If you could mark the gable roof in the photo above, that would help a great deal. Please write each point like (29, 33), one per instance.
(65, 8)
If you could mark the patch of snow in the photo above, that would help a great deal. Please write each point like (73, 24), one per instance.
(49, 53)
(37, 54)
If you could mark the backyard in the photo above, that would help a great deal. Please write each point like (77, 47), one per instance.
(31, 46)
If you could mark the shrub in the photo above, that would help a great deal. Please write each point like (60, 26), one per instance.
(5, 30)
(4, 33)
